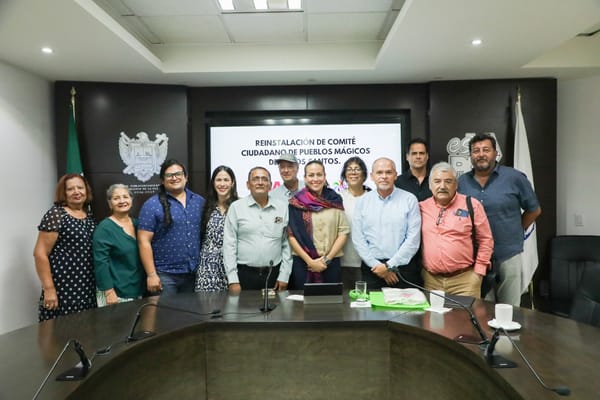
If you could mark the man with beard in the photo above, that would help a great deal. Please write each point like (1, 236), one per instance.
(504, 192)
(449, 262)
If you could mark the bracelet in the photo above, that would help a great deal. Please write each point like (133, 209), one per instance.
(152, 275)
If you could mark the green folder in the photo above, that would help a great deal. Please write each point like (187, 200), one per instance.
(378, 303)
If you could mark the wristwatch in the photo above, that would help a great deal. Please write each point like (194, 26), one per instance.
(388, 266)
(327, 260)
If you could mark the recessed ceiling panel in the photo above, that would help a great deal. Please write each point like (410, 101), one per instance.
(187, 30)
(170, 7)
(345, 27)
(265, 27)
(334, 6)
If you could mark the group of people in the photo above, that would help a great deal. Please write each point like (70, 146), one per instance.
(82, 266)
(425, 226)
(470, 222)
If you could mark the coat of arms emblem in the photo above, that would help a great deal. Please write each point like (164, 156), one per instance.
(142, 156)
(458, 152)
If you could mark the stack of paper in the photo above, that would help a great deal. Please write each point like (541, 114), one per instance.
(403, 296)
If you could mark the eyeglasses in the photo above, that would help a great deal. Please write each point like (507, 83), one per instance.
(177, 174)
(354, 170)
(440, 216)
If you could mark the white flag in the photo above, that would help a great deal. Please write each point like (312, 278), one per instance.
(522, 162)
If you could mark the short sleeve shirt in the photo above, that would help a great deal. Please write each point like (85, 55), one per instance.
(176, 248)
(504, 195)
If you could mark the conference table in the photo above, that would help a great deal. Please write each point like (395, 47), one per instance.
(220, 346)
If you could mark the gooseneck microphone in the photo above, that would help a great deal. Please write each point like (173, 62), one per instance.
(482, 339)
(561, 390)
(135, 336)
(266, 306)
(495, 360)
(76, 373)
(80, 370)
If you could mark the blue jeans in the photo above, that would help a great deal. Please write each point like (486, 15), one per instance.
(176, 283)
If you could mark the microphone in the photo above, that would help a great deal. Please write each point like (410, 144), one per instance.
(494, 360)
(76, 373)
(80, 370)
(482, 339)
(561, 390)
(133, 336)
(266, 306)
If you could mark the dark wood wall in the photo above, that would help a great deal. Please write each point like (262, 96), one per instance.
(438, 111)
(103, 111)
(488, 106)
(203, 101)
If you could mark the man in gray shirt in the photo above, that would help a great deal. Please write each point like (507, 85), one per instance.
(255, 238)
(288, 170)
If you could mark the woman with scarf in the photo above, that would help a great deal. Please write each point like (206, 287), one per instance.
(317, 230)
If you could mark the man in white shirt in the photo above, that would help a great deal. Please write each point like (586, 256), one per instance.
(255, 238)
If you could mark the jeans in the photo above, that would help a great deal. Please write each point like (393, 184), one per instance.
(176, 283)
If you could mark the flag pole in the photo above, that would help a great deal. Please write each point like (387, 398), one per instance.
(73, 155)
(73, 93)
(522, 162)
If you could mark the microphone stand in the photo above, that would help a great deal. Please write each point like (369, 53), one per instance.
(133, 337)
(494, 360)
(482, 339)
(78, 372)
(560, 390)
(266, 306)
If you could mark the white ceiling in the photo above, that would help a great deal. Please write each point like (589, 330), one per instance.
(192, 42)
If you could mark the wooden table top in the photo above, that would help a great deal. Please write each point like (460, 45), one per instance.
(562, 351)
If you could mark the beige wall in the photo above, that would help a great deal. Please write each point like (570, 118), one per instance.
(578, 156)
(27, 173)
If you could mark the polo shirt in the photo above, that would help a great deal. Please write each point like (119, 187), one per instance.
(407, 181)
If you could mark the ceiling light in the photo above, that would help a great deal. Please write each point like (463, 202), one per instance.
(47, 50)
(261, 4)
(295, 4)
(476, 42)
(226, 5)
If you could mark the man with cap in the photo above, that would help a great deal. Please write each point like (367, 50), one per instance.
(288, 170)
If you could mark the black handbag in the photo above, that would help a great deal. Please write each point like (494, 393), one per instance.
(491, 277)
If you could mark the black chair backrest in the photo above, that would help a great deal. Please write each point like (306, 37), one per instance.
(569, 257)
(586, 304)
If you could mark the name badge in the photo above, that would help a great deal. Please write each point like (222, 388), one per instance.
(461, 213)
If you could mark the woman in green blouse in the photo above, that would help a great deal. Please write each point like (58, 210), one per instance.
(119, 272)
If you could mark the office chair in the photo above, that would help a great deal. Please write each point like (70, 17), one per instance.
(586, 304)
(569, 257)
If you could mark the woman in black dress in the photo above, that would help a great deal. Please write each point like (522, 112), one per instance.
(63, 251)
